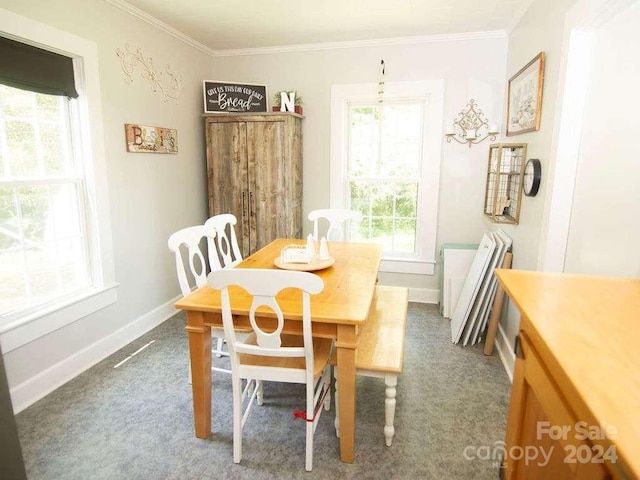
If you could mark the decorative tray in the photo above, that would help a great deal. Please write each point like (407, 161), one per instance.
(315, 264)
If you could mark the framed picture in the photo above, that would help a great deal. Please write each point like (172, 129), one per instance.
(524, 100)
(224, 97)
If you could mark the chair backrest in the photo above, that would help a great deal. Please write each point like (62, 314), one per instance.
(224, 251)
(263, 285)
(191, 238)
(336, 218)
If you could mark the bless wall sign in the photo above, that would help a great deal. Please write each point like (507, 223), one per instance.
(234, 97)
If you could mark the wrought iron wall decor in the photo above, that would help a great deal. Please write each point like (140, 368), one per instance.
(167, 83)
(471, 126)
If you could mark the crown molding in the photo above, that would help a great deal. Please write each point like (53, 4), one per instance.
(522, 9)
(136, 12)
(362, 43)
(127, 7)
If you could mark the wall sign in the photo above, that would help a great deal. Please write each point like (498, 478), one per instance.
(234, 97)
(146, 139)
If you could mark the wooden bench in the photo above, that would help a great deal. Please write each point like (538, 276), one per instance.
(380, 349)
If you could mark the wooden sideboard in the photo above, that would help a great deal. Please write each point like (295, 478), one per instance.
(575, 400)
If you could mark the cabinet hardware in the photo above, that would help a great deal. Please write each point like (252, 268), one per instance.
(243, 206)
(251, 205)
(517, 348)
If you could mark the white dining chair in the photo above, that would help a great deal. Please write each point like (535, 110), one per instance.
(272, 355)
(337, 218)
(191, 238)
(223, 248)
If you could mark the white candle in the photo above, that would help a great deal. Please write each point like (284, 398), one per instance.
(493, 128)
(471, 134)
(450, 131)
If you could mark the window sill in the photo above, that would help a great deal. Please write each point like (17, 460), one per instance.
(31, 327)
(416, 267)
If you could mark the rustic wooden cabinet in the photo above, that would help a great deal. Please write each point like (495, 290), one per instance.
(576, 387)
(254, 170)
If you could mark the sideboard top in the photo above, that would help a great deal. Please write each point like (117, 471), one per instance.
(586, 328)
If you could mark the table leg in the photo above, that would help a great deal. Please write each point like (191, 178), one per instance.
(346, 364)
(200, 357)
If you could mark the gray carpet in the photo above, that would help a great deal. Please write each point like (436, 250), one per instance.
(135, 421)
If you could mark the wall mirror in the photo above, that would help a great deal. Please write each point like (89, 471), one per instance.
(503, 193)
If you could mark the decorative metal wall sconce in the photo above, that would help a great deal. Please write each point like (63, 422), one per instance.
(471, 126)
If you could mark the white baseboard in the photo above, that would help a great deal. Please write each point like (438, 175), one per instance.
(424, 295)
(32, 390)
(47, 381)
(505, 352)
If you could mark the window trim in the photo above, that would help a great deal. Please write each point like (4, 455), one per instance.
(432, 91)
(17, 332)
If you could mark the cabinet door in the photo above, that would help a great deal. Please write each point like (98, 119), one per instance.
(227, 175)
(269, 211)
(541, 440)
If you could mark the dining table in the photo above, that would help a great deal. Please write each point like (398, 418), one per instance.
(337, 313)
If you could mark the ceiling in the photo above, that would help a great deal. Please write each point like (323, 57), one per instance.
(220, 25)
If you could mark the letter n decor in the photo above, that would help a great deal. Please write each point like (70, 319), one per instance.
(146, 139)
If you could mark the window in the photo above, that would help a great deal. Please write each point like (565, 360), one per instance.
(43, 239)
(385, 163)
(55, 232)
(383, 173)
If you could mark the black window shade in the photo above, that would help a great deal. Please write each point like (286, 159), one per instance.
(31, 68)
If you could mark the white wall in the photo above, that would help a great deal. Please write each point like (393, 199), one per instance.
(604, 234)
(153, 195)
(150, 195)
(471, 68)
(540, 29)
(583, 221)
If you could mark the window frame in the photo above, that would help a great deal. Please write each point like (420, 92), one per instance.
(350, 178)
(17, 331)
(432, 93)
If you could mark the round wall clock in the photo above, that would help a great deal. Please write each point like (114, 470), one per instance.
(531, 179)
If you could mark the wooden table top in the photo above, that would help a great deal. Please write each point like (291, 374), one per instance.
(349, 285)
(588, 331)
